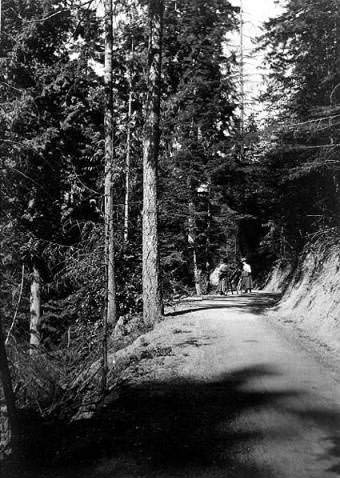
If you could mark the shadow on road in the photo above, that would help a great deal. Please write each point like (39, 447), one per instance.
(329, 421)
(187, 424)
(175, 428)
(185, 427)
(255, 303)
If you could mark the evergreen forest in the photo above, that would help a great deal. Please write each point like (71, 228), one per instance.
(130, 167)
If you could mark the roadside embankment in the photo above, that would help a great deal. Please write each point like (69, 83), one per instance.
(311, 293)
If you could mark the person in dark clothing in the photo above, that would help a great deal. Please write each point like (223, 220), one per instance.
(224, 278)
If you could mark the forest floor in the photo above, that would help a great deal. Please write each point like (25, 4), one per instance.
(230, 393)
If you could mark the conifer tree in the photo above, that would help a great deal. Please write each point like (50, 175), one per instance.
(50, 127)
(152, 304)
(301, 163)
(199, 130)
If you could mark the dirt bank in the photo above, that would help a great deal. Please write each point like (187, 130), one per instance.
(311, 298)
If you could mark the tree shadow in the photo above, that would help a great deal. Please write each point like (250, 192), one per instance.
(250, 303)
(180, 427)
(185, 427)
(173, 428)
(329, 421)
(335, 452)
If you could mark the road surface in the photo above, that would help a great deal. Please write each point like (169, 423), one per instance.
(237, 397)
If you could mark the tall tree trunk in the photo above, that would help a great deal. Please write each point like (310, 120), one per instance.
(337, 53)
(152, 302)
(242, 93)
(109, 166)
(128, 154)
(334, 102)
(192, 244)
(110, 309)
(35, 311)
(207, 240)
(6, 382)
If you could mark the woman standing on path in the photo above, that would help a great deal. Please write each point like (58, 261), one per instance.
(246, 279)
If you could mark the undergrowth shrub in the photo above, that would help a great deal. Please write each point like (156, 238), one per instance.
(48, 382)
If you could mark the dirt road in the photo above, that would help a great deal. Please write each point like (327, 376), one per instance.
(237, 396)
(246, 400)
